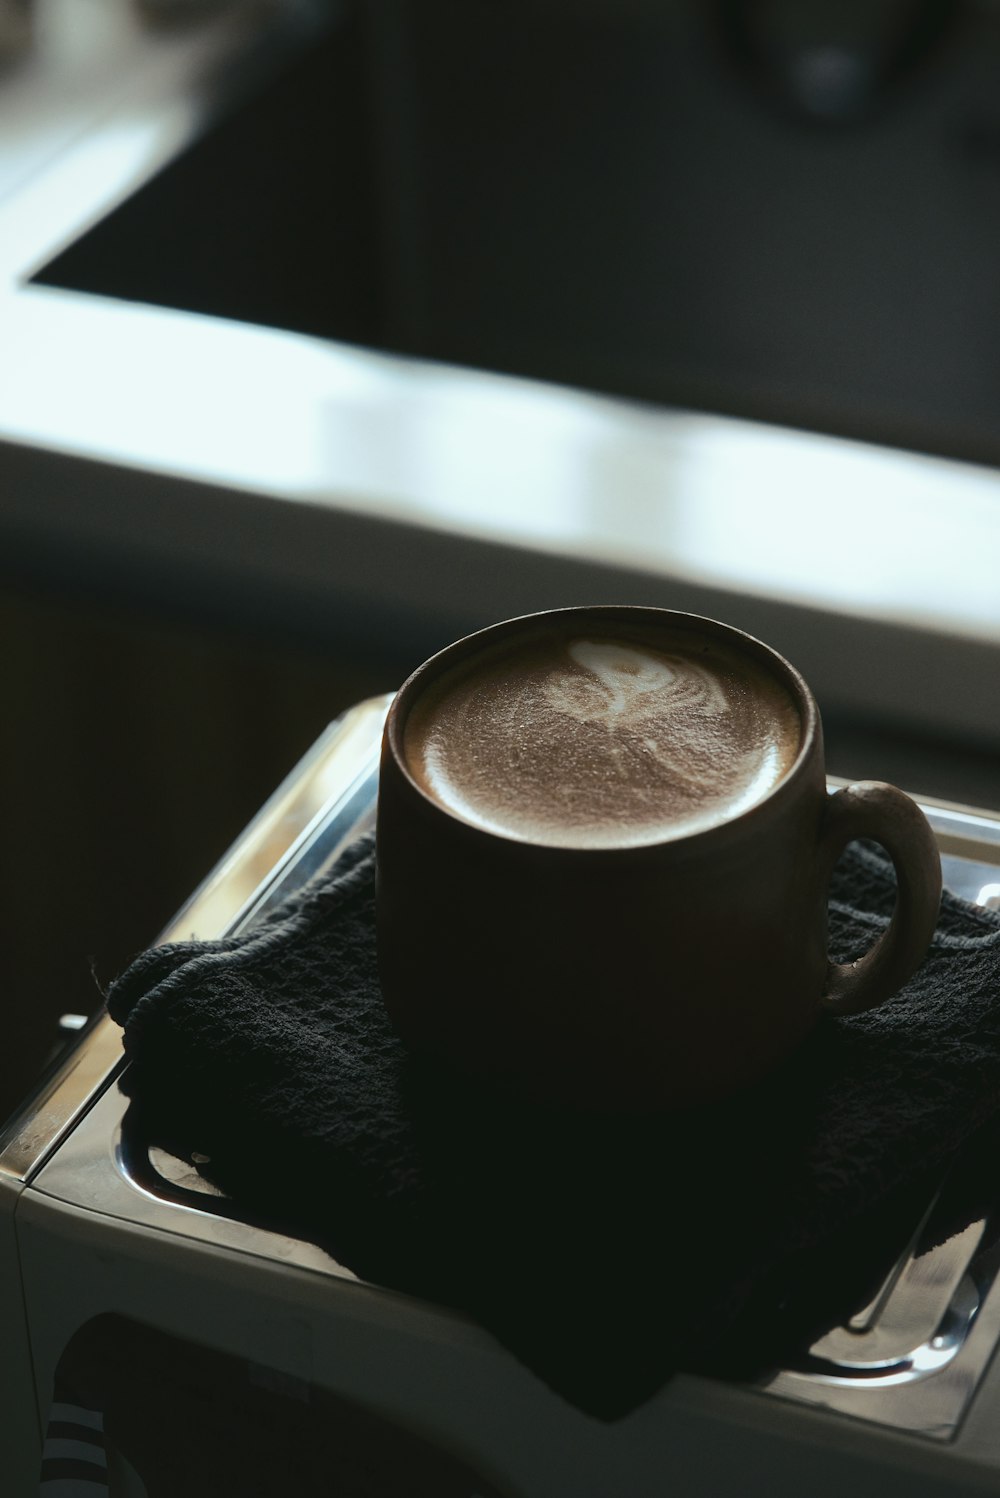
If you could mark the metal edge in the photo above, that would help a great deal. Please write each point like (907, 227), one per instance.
(341, 756)
(965, 831)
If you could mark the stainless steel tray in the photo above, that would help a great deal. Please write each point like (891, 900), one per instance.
(911, 1359)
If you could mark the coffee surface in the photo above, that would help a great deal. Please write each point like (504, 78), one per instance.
(602, 740)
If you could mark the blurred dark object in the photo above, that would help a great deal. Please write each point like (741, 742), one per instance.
(834, 61)
(139, 744)
(776, 211)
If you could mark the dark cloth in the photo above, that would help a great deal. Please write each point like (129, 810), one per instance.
(605, 1252)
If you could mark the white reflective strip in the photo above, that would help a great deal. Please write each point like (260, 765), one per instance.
(57, 1447)
(93, 1419)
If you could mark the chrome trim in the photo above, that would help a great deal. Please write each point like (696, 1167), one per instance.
(962, 831)
(60, 1100)
(100, 1167)
(288, 830)
(332, 785)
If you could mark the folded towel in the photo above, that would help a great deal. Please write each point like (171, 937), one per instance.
(605, 1253)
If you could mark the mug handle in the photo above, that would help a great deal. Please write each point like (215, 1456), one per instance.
(871, 809)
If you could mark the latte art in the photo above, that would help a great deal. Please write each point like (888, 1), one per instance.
(587, 742)
(622, 683)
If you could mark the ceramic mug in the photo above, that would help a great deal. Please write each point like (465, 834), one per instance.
(604, 844)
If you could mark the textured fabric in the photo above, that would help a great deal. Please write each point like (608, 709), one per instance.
(604, 1253)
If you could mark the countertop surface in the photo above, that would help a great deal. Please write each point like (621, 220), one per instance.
(176, 443)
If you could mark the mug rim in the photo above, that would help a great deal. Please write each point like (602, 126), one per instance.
(450, 655)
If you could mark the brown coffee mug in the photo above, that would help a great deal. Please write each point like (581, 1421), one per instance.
(604, 846)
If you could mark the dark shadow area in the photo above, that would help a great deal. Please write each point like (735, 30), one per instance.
(270, 218)
(140, 742)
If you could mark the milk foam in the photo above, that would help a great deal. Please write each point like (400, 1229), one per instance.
(597, 742)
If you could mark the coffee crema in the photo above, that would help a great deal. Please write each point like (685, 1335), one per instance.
(602, 739)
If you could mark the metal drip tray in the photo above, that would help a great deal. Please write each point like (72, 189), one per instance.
(911, 1359)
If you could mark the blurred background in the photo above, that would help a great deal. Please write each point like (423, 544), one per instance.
(262, 266)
